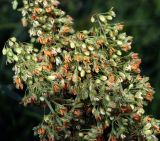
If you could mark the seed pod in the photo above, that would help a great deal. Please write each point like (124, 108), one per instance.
(102, 111)
(10, 53)
(119, 53)
(41, 98)
(109, 17)
(119, 43)
(98, 81)
(104, 78)
(28, 57)
(13, 39)
(148, 132)
(15, 58)
(72, 45)
(122, 75)
(18, 50)
(84, 46)
(81, 134)
(82, 73)
(91, 48)
(114, 56)
(4, 51)
(87, 53)
(10, 43)
(30, 82)
(102, 18)
(93, 19)
(51, 78)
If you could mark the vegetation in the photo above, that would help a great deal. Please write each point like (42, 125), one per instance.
(87, 82)
(141, 22)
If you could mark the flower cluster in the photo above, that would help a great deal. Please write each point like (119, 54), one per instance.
(89, 81)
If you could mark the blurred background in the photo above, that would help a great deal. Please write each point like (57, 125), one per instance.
(142, 21)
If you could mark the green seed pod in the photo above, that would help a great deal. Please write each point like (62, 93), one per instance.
(18, 50)
(51, 78)
(109, 17)
(148, 132)
(103, 78)
(84, 46)
(147, 126)
(91, 48)
(102, 111)
(87, 53)
(10, 53)
(122, 75)
(113, 63)
(114, 56)
(81, 134)
(41, 98)
(4, 51)
(72, 45)
(13, 39)
(30, 82)
(93, 19)
(82, 73)
(102, 18)
(119, 53)
(120, 43)
(28, 57)
(98, 81)
(15, 58)
(46, 118)
(10, 43)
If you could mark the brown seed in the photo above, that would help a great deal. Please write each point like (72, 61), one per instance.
(41, 131)
(120, 26)
(47, 53)
(134, 56)
(77, 112)
(136, 117)
(80, 36)
(149, 96)
(63, 111)
(36, 10)
(56, 88)
(48, 9)
(100, 42)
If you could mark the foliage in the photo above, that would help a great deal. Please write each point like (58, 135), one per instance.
(103, 45)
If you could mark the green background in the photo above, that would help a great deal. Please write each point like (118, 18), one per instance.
(142, 21)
